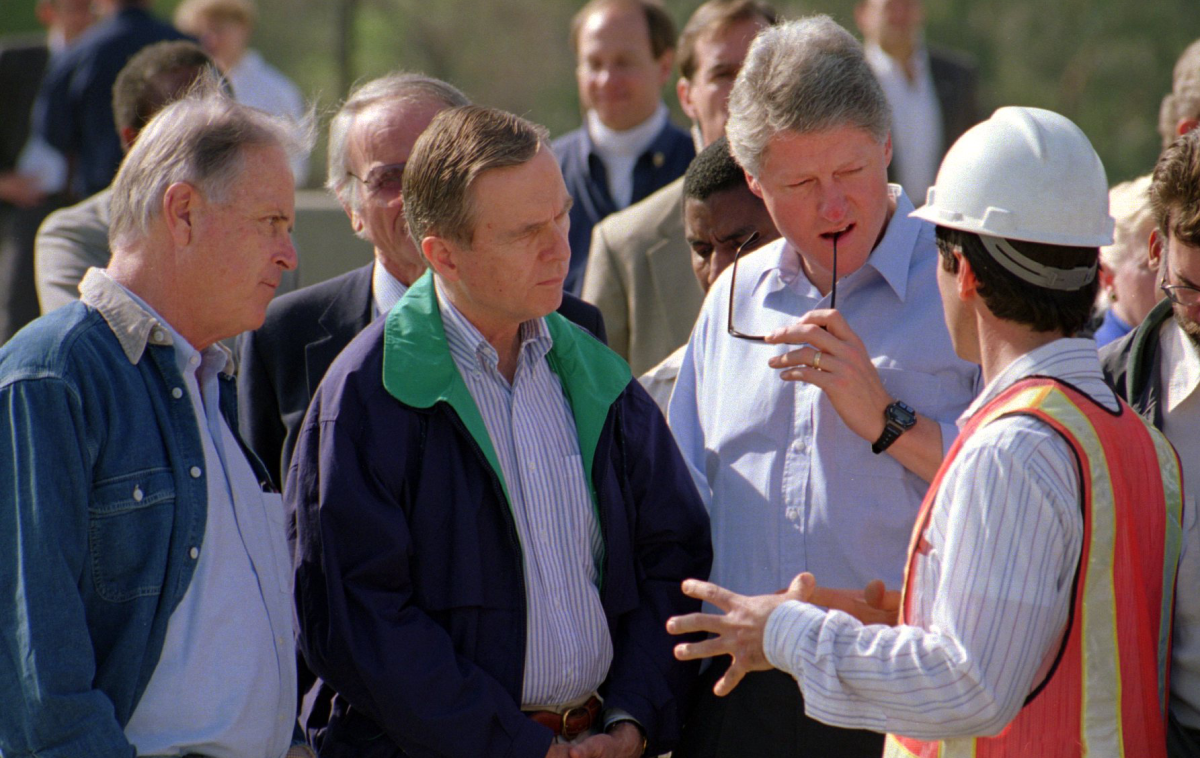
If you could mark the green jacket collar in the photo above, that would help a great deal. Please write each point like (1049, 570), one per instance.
(419, 371)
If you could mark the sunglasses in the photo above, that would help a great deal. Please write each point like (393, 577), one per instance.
(733, 331)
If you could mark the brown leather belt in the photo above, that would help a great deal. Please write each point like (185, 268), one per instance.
(572, 722)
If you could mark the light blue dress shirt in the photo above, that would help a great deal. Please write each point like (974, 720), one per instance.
(225, 684)
(568, 648)
(789, 486)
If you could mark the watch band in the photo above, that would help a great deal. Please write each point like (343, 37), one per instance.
(898, 418)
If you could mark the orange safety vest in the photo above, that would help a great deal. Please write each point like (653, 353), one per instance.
(1105, 695)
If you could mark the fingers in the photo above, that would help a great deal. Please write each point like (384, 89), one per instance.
(709, 593)
(804, 333)
(887, 604)
(709, 648)
(732, 677)
(803, 586)
(696, 622)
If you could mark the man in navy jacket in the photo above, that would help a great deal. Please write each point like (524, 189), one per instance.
(492, 516)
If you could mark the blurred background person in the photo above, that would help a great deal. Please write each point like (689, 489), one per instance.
(627, 147)
(33, 175)
(1128, 289)
(932, 92)
(224, 28)
(73, 113)
(638, 269)
(1180, 109)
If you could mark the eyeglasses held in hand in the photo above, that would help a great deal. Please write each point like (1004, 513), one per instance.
(733, 331)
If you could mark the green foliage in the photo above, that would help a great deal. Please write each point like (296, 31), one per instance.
(1104, 63)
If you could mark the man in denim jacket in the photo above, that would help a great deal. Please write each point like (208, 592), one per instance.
(146, 572)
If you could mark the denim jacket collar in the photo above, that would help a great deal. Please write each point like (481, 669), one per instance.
(134, 326)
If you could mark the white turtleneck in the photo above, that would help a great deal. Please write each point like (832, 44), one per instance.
(620, 150)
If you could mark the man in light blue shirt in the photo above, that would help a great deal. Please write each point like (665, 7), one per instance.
(815, 457)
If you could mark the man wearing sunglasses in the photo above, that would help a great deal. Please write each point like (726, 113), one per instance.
(812, 431)
(1156, 368)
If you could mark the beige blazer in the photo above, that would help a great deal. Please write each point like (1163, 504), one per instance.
(639, 274)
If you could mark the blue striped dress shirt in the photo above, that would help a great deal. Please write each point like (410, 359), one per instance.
(990, 602)
(568, 646)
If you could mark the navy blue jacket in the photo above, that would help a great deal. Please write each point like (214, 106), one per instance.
(409, 573)
(282, 362)
(665, 161)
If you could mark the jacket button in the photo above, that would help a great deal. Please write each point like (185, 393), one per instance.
(195, 472)
(137, 494)
(194, 553)
(176, 393)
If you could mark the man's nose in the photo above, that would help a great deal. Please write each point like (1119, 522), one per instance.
(833, 203)
(286, 255)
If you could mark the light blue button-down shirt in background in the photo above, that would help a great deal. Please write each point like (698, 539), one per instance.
(225, 684)
(568, 645)
(789, 487)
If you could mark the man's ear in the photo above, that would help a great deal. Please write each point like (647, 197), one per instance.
(180, 204)
(887, 151)
(753, 184)
(442, 255)
(665, 61)
(356, 222)
(683, 90)
(1155, 250)
(968, 285)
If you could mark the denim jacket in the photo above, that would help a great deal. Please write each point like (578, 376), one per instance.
(102, 515)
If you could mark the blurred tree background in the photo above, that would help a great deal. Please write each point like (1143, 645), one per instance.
(1104, 63)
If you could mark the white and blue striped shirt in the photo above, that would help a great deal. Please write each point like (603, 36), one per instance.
(992, 598)
(568, 645)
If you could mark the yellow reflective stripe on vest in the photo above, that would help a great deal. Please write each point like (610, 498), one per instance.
(958, 748)
(1100, 721)
(1168, 461)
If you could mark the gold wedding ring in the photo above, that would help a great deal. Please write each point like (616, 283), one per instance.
(817, 361)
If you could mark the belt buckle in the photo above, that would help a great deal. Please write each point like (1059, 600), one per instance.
(579, 710)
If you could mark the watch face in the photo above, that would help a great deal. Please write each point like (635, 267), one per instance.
(902, 414)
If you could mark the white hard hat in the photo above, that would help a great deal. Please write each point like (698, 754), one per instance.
(1024, 174)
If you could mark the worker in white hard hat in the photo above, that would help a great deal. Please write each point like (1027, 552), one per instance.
(1035, 615)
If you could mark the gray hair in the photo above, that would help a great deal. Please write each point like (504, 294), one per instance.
(399, 87)
(1183, 101)
(459, 145)
(200, 139)
(802, 76)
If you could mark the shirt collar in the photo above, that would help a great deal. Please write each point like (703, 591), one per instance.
(1070, 359)
(386, 290)
(1181, 362)
(891, 258)
(629, 142)
(470, 346)
(134, 323)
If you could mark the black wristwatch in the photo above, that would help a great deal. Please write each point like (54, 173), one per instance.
(898, 418)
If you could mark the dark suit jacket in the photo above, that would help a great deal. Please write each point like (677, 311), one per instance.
(956, 81)
(281, 364)
(22, 62)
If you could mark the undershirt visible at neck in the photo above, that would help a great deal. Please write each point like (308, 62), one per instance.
(620, 150)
